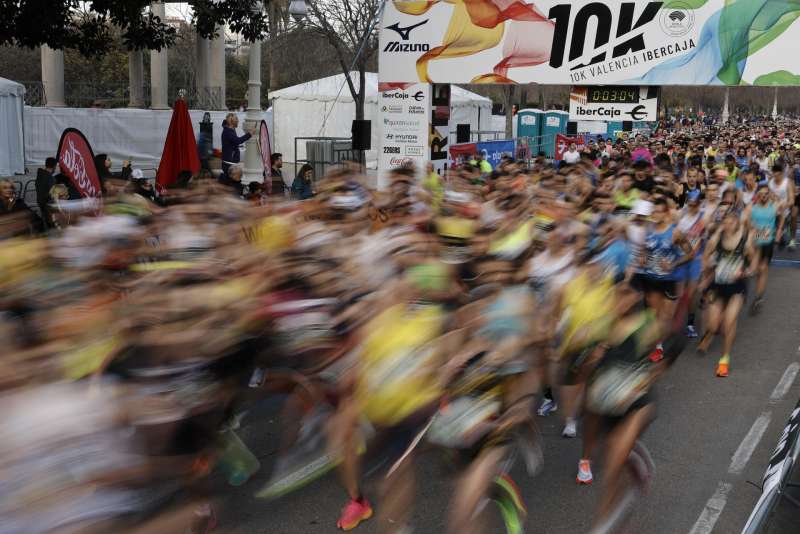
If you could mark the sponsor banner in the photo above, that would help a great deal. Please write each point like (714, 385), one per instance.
(492, 151)
(613, 103)
(462, 152)
(405, 111)
(265, 148)
(778, 473)
(440, 125)
(76, 160)
(563, 142)
(586, 42)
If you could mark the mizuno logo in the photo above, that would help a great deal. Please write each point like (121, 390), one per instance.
(405, 33)
(397, 46)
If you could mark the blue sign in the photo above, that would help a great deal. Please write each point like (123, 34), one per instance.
(493, 151)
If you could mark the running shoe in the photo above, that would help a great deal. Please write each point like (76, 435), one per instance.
(548, 406)
(356, 511)
(691, 332)
(792, 244)
(658, 354)
(722, 367)
(584, 472)
(755, 308)
(570, 429)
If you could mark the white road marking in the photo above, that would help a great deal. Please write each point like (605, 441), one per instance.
(708, 518)
(749, 443)
(786, 382)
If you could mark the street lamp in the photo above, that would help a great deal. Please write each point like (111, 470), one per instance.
(298, 9)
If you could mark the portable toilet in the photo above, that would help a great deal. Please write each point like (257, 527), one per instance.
(613, 128)
(529, 125)
(553, 123)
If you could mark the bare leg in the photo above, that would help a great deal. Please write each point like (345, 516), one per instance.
(620, 442)
(343, 436)
(472, 489)
(713, 318)
(761, 282)
(730, 318)
(397, 498)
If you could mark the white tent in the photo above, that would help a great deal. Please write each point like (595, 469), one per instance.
(300, 111)
(12, 141)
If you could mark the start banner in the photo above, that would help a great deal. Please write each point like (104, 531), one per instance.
(590, 42)
(76, 160)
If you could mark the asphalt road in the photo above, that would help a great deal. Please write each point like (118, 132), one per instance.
(711, 444)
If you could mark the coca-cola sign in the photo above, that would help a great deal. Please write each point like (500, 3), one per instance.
(266, 149)
(76, 159)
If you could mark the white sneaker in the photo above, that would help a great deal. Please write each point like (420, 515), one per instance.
(584, 472)
(548, 406)
(570, 429)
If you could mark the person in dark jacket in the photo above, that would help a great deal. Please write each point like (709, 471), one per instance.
(302, 186)
(231, 141)
(278, 186)
(45, 180)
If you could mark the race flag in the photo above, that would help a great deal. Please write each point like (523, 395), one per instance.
(180, 147)
(76, 159)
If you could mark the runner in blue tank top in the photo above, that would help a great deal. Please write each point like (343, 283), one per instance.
(767, 226)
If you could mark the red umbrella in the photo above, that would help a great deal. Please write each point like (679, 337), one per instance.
(180, 148)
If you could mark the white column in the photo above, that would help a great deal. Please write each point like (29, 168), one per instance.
(217, 68)
(203, 53)
(53, 76)
(253, 167)
(159, 73)
(136, 79)
(725, 112)
(775, 105)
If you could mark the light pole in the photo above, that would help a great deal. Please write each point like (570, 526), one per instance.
(725, 112)
(253, 167)
(775, 105)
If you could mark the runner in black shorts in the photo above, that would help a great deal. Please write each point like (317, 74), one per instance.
(732, 252)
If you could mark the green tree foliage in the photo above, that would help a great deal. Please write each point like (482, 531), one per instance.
(88, 26)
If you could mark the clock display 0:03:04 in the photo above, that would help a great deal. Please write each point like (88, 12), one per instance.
(610, 95)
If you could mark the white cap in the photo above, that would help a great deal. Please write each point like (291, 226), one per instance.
(643, 208)
(137, 174)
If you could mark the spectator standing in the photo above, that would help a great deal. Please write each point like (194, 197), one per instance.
(278, 185)
(231, 142)
(233, 179)
(11, 205)
(45, 180)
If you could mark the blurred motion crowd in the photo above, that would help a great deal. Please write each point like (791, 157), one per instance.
(440, 313)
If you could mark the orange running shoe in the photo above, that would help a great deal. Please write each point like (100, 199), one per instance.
(722, 367)
(356, 511)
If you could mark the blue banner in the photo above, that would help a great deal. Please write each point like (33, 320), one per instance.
(493, 151)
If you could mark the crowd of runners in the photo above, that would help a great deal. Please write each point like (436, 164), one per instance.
(441, 314)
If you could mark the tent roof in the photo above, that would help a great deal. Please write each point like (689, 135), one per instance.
(8, 87)
(326, 89)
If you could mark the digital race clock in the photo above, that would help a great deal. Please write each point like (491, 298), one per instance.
(612, 95)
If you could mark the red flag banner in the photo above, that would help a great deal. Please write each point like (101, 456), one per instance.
(180, 147)
(563, 142)
(266, 149)
(76, 159)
